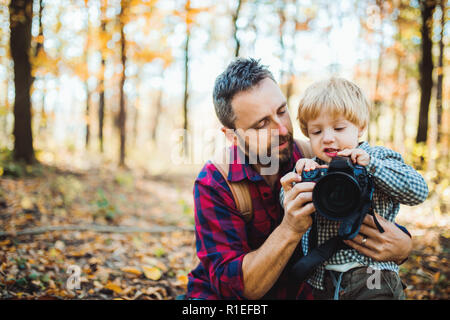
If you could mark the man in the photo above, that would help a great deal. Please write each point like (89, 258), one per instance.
(252, 260)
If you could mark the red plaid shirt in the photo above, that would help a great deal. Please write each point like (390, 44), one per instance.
(223, 238)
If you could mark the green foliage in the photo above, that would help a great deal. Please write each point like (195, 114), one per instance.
(17, 169)
(159, 252)
(187, 209)
(104, 208)
(8, 167)
(124, 179)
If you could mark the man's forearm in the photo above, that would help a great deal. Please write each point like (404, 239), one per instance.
(262, 267)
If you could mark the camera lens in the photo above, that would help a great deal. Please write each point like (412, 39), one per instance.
(336, 195)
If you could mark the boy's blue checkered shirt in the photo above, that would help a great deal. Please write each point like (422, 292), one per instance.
(395, 183)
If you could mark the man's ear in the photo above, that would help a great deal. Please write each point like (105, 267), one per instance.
(229, 134)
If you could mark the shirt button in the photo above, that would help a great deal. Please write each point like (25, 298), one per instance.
(266, 195)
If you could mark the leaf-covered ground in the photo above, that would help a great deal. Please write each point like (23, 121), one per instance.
(136, 265)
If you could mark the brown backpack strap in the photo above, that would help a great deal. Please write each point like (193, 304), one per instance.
(239, 189)
(305, 148)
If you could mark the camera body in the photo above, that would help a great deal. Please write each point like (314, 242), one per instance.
(343, 192)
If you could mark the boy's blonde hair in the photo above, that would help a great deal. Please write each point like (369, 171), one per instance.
(336, 96)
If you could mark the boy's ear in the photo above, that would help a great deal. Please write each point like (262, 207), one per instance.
(229, 134)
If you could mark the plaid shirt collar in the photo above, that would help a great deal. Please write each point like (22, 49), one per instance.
(240, 168)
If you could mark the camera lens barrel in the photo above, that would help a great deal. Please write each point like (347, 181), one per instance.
(337, 195)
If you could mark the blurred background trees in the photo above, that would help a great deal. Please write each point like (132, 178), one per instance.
(144, 67)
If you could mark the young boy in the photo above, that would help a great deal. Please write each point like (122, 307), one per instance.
(334, 115)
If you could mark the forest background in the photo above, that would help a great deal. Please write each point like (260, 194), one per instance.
(106, 117)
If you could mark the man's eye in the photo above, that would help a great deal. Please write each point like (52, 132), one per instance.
(262, 124)
(282, 111)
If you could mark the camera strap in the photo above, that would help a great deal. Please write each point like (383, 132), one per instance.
(305, 266)
(375, 220)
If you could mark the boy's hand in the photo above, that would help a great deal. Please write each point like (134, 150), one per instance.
(305, 164)
(358, 156)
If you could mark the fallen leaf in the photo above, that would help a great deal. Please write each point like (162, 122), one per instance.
(53, 252)
(152, 273)
(436, 277)
(59, 245)
(26, 204)
(182, 279)
(114, 287)
(150, 261)
(132, 270)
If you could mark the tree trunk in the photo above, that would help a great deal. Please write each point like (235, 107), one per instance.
(282, 18)
(40, 43)
(235, 29)
(157, 114)
(440, 77)
(88, 122)
(101, 106)
(122, 111)
(425, 69)
(186, 92)
(21, 13)
(86, 83)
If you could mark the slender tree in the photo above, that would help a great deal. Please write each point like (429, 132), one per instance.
(235, 28)
(440, 68)
(425, 68)
(188, 15)
(86, 83)
(21, 13)
(123, 59)
(101, 105)
(282, 17)
(186, 90)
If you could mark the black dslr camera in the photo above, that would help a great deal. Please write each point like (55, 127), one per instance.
(343, 192)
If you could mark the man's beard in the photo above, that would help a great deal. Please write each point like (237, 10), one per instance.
(284, 156)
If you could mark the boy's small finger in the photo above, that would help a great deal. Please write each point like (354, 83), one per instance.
(344, 152)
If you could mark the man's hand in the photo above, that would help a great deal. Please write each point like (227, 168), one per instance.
(358, 156)
(297, 204)
(391, 245)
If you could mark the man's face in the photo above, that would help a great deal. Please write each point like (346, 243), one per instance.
(263, 126)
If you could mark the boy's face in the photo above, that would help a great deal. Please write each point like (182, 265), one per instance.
(329, 135)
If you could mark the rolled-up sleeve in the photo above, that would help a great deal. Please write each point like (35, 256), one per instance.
(399, 180)
(221, 238)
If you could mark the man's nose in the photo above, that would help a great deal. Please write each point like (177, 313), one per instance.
(282, 129)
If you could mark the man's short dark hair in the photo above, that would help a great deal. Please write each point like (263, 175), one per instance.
(241, 74)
